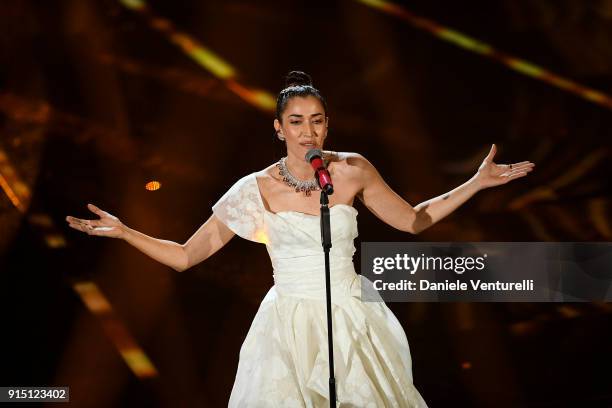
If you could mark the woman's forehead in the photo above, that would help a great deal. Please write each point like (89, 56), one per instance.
(304, 105)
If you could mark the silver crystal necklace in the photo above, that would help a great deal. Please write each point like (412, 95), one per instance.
(307, 186)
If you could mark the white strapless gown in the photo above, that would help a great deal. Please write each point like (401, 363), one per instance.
(284, 358)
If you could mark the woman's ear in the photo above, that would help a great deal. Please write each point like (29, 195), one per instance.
(278, 129)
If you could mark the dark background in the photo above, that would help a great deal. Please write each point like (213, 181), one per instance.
(95, 102)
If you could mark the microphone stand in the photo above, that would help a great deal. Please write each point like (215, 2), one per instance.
(326, 242)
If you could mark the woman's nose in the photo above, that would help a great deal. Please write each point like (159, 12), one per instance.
(309, 135)
(310, 130)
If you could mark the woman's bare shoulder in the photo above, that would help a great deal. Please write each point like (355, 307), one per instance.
(268, 176)
(349, 161)
(268, 171)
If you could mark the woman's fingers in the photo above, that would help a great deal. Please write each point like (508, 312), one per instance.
(95, 223)
(74, 220)
(504, 169)
(521, 165)
(521, 169)
(75, 226)
(78, 220)
(91, 229)
(512, 173)
(96, 210)
(516, 175)
(81, 227)
(492, 153)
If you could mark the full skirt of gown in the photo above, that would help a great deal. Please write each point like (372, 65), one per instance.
(284, 357)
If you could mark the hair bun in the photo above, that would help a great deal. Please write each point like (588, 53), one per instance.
(296, 78)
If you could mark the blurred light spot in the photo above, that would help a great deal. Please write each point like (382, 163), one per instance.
(40, 220)
(523, 328)
(92, 297)
(139, 362)
(568, 312)
(161, 24)
(134, 4)
(55, 240)
(52, 236)
(153, 185)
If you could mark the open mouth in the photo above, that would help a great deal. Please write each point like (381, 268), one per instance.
(311, 145)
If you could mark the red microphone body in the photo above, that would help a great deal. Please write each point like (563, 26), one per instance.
(315, 158)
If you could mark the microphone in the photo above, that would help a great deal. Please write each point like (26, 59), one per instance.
(315, 158)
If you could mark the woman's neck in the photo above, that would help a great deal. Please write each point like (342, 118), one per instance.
(300, 168)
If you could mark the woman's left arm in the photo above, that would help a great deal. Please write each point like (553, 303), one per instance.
(379, 198)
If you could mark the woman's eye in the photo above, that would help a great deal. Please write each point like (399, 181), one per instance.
(295, 123)
(318, 121)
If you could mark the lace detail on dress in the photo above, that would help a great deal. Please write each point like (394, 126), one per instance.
(240, 208)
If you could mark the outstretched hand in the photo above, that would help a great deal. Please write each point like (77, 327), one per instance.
(107, 226)
(491, 174)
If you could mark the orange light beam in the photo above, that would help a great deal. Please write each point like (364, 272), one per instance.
(468, 43)
(132, 354)
(203, 56)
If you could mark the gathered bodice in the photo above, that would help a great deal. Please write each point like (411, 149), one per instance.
(293, 240)
(292, 234)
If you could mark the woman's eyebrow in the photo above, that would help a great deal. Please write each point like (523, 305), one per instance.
(301, 116)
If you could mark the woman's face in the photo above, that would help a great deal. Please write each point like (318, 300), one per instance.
(304, 125)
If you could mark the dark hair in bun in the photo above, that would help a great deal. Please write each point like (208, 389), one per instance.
(297, 83)
(297, 78)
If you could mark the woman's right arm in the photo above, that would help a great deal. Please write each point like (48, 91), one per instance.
(207, 240)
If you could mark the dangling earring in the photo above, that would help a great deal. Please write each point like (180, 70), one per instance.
(280, 137)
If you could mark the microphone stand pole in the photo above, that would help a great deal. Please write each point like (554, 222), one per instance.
(326, 242)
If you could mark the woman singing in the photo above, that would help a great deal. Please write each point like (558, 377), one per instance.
(283, 360)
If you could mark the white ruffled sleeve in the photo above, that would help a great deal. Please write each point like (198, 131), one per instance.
(241, 209)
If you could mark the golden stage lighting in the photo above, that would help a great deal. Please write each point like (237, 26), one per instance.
(133, 355)
(153, 185)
